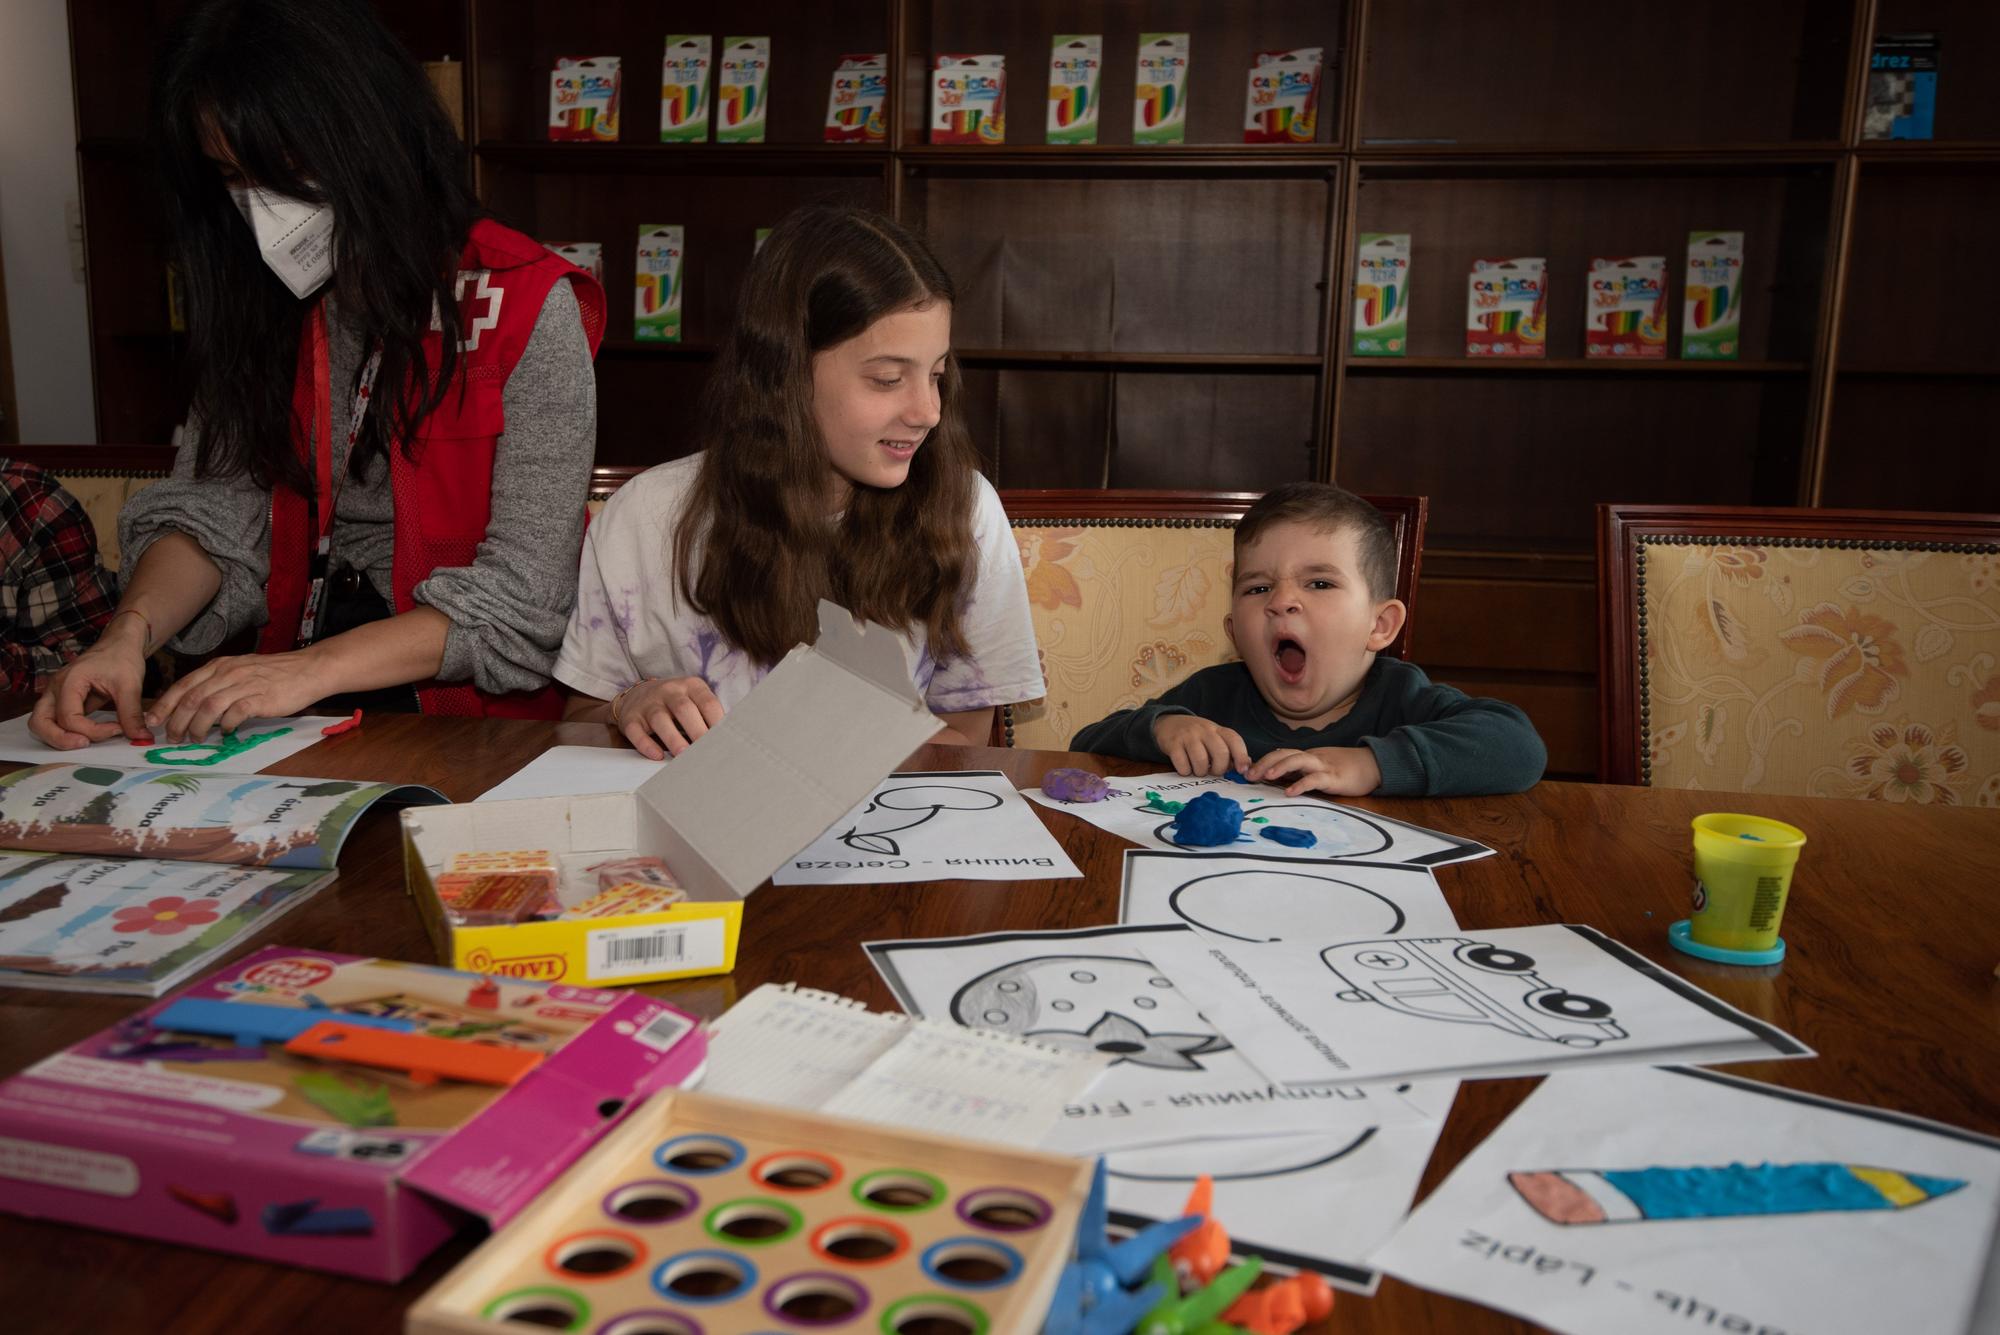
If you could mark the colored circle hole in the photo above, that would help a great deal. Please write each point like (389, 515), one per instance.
(752, 1222)
(600, 1255)
(795, 1170)
(704, 1277)
(652, 1202)
(972, 1263)
(900, 1190)
(650, 1323)
(815, 1299)
(1003, 1209)
(701, 1156)
(860, 1241)
(928, 1315)
(550, 1309)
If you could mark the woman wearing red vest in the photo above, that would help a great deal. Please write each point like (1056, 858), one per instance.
(398, 512)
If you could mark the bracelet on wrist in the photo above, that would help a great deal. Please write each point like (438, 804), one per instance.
(146, 621)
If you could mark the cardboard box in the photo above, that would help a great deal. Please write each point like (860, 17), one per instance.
(743, 90)
(1159, 97)
(1506, 308)
(1382, 294)
(684, 99)
(656, 282)
(969, 100)
(191, 1139)
(1625, 314)
(811, 741)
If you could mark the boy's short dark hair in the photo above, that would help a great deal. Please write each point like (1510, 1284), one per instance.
(1329, 509)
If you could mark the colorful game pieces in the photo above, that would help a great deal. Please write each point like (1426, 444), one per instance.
(359, 1104)
(484, 995)
(1200, 1256)
(1193, 1314)
(250, 1023)
(1283, 1307)
(299, 1219)
(219, 1205)
(1095, 1294)
(426, 1059)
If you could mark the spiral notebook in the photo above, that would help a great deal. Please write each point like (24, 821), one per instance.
(808, 1049)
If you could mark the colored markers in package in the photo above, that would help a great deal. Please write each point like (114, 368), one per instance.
(1712, 299)
(1382, 294)
(1506, 308)
(1282, 106)
(585, 255)
(1159, 99)
(583, 99)
(684, 89)
(656, 310)
(854, 104)
(969, 100)
(1625, 314)
(742, 90)
(1075, 62)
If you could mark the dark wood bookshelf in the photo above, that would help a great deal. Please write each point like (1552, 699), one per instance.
(1178, 316)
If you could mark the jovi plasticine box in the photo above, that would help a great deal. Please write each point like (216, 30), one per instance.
(796, 754)
(328, 1111)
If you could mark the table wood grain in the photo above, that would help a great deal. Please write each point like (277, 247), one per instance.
(1893, 928)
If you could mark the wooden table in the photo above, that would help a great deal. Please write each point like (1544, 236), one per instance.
(1894, 930)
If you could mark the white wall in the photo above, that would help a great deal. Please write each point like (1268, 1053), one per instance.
(47, 322)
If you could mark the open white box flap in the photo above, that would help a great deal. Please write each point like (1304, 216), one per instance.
(809, 742)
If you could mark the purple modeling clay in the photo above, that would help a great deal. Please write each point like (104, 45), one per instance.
(1289, 836)
(1207, 821)
(1075, 785)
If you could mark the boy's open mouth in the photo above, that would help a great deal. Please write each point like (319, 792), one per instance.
(1291, 660)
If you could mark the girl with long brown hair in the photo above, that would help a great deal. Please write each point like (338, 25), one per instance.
(835, 464)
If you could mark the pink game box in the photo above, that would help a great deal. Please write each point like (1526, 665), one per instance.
(222, 1116)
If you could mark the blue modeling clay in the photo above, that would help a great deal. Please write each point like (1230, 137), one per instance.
(1207, 821)
(1234, 777)
(1290, 836)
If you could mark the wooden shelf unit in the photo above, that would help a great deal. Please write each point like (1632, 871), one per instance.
(1178, 316)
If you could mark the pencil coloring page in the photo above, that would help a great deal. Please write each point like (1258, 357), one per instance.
(1265, 899)
(1668, 1200)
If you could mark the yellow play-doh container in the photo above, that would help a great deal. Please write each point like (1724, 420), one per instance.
(1742, 875)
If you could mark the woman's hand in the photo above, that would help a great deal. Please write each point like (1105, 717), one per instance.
(226, 692)
(112, 671)
(664, 716)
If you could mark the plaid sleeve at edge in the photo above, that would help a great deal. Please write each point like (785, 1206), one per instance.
(62, 596)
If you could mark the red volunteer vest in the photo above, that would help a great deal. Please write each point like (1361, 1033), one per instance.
(444, 495)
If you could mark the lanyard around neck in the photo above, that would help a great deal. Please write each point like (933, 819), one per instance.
(326, 491)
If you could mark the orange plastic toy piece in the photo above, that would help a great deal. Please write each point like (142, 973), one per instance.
(1281, 1308)
(1201, 1255)
(426, 1059)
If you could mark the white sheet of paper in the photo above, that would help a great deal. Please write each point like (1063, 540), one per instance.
(1338, 831)
(1318, 1202)
(1277, 899)
(260, 743)
(933, 826)
(572, 771)
(1662, 1253)
(1516, 1001)
(815, 1050)
(1175, 1078)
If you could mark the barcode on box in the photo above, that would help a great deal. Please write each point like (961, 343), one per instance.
(663, 1031)
(635, 952)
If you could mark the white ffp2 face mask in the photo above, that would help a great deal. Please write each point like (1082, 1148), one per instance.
(294, 237)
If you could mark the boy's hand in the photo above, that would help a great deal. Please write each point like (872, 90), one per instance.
(1340, 771)
(1198, 747)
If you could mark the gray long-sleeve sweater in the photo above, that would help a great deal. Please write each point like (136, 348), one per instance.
(509, 607)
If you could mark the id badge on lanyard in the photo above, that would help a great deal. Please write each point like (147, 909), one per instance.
(319, 568)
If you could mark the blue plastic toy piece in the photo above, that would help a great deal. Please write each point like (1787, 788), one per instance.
(1290, 836)
(1094, 1295)
(306, 1219)
(1207, 821)
(251, 1023)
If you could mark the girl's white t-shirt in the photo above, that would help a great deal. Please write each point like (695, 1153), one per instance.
(629, 622)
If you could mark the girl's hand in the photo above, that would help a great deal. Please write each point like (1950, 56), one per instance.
(1339, 771)
(664, 716)
(226, 692)
(112, 671)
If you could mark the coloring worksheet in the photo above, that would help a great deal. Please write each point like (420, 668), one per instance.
(1320, 1202)
(1643, 1200)
(1308, 828)
(256, 744)
(1277, 899)
(951, 825)
(1173, 1077)
(1514, 1001)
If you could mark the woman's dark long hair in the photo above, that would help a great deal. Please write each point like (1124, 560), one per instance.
(314, 99)
(901, 556)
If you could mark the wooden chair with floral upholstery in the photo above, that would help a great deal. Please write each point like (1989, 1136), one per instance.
(1128, 590)
(102, 478)
(1828, 653)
